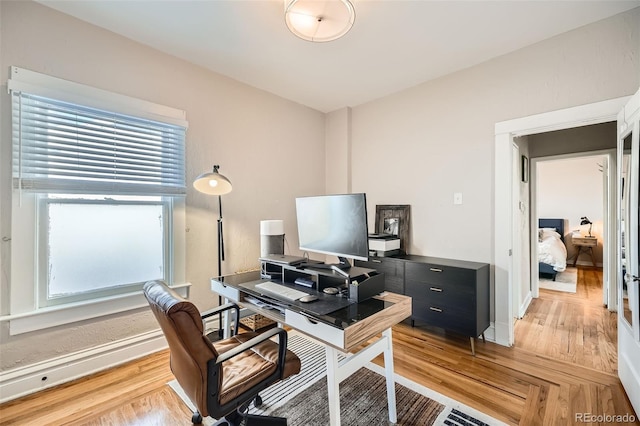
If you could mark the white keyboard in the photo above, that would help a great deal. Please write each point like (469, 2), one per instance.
(281, 290)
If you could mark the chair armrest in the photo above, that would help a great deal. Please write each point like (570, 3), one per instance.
(282, 346)
(220, 309)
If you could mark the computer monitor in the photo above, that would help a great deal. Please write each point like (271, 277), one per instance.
(334, 225)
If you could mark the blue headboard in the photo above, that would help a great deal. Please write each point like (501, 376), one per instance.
(553, 223)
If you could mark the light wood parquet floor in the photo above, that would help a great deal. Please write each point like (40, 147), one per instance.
(564, 363)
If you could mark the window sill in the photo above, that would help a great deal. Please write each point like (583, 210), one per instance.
(74, 312)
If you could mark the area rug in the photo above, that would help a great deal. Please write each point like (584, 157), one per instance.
(565, 281)
(302, 398)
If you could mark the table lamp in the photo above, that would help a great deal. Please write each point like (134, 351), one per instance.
(585, 221)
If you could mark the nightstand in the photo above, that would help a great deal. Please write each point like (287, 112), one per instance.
(585, 245)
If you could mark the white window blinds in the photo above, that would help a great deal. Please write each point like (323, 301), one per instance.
(62, 146)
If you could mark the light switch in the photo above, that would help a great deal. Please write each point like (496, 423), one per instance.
(457, 198)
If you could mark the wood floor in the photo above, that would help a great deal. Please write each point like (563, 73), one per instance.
(563, 364)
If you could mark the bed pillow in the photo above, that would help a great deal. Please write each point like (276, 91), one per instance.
(547, 232)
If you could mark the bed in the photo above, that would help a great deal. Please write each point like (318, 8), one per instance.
(552, 252)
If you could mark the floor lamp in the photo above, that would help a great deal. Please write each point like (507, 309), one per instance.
(213, 183)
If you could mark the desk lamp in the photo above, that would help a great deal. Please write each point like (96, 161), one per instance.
(585, 221)
(213, 183)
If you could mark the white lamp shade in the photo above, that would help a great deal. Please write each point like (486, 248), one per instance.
(212, 183)
(271, 227)
(319, 20)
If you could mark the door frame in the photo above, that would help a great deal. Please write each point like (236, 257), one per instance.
(506, 210)
(608, 217)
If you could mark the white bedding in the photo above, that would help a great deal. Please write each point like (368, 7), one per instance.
(551, 249)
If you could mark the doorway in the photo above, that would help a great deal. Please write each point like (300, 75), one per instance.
(626, 111)
(575, 188)
(506, 208)
(567, 319)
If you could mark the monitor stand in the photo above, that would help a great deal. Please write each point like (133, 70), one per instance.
(341, 267)
(343, 263)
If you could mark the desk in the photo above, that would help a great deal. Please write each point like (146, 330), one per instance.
(365, 326)
(585, 245)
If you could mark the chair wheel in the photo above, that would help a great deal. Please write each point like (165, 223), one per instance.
(258, 401)
(196, 419)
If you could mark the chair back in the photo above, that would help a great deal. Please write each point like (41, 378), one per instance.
(189, 348)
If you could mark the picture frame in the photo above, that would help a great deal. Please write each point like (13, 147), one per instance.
(395, 220)
(525, 168)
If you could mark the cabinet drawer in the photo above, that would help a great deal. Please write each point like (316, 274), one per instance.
(447, 318)
(389, 266)
(584, 241)
(225, 291)
(443, 296)
(456, 293)
(332, 335)
(456, 279)
(393, 272)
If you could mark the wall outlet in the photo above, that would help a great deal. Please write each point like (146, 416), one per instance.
(457, 198)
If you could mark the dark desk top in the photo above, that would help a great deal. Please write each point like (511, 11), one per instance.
(335, 310)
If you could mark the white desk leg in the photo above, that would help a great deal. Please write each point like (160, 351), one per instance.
(333, 386)
(226, 318)
(391, 384)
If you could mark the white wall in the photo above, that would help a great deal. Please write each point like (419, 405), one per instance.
(338, 149)
(569, 189)
(438, 138)
(271, 149)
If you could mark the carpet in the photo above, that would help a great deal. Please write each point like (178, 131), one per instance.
(302, 398)
(565, 281)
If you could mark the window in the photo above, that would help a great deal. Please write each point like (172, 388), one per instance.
(98, 206)
(93, 247)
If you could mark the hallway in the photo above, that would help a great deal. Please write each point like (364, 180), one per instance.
(573, 327)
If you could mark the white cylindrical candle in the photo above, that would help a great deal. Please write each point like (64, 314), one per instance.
(271, 227)
(271, 237)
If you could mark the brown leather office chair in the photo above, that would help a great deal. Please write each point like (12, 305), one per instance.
(223, 377)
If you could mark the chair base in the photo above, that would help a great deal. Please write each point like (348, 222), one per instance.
(238, 418)
(253, 420)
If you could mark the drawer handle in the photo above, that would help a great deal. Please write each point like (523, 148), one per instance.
(376, 261)
(435, 289)
(435, 309)
(309, 320)
(435, 269)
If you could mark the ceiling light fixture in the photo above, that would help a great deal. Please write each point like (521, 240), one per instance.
(319, 20)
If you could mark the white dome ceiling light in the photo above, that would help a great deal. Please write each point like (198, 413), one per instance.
(319, 20)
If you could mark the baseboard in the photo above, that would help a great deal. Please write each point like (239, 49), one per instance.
(525, 305)
(36, 377)
(589, 264)
(502, 334)
(490, 333)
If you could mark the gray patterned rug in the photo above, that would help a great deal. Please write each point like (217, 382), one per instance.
(302, 398)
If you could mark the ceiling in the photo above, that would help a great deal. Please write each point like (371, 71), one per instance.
(393, 45)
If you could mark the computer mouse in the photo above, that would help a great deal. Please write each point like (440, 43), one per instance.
(308, 298)
(330, 290)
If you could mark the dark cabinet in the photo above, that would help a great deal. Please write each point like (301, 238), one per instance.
(447, 293)
(393, 269)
